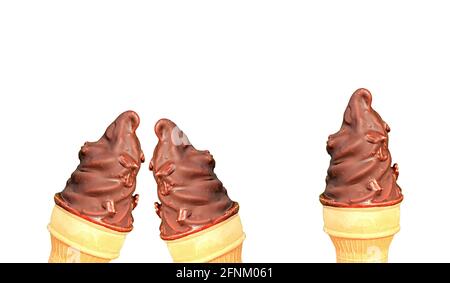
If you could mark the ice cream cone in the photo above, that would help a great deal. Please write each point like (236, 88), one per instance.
(221, 243)
(362, 234)
(199, 221)
(75, 239)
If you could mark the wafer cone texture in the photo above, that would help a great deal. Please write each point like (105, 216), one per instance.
(362, 234)
(75, 239)
(221, 243)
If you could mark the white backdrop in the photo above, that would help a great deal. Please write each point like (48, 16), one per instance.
(261, 84)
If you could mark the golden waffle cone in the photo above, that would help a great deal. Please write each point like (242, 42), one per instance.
(362, 234)
(233, 256)
(63, 253)
(219, 243)
(361, 250)
(75, 239)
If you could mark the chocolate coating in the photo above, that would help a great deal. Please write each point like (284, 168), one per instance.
(360, 172)
(192, 197)
(101, 188)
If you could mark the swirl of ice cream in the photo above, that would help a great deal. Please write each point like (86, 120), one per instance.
(101, 188)
(360, 172)
(192, 197)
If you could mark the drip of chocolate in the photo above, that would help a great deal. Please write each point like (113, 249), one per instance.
(360, 172)
(192, 197)
(101, 188)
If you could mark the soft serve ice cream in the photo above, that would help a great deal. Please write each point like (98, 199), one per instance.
(360, 172)
(101, 188)
(192, 197)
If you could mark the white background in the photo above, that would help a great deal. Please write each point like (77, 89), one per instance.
(261, 84)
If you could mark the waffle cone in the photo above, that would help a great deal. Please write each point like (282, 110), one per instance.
(362, 234)
(221, 243)
(75, 239)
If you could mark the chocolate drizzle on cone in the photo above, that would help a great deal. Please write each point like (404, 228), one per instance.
(360, 173)
(192, 197)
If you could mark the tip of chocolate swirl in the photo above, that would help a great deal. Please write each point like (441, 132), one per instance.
(360, 172)
(191, 196)
(101, 188)
(168, 131)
